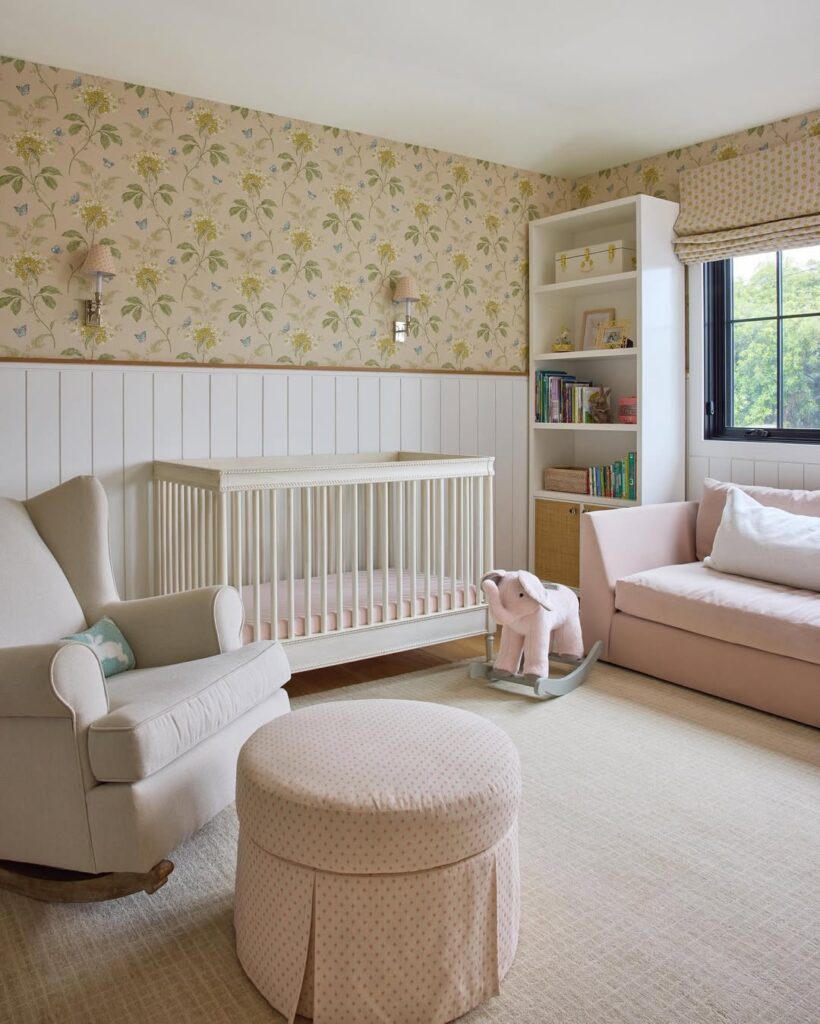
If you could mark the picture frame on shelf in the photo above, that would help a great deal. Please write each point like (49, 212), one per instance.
(613, 334)
(592, 320)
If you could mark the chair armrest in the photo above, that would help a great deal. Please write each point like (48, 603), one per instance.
(57, 680)
(180, 627)
(619, 542)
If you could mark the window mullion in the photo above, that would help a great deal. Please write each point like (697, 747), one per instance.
(779, 266)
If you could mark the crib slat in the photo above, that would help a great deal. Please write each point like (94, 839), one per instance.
(440, 538)
(236, 539)
(291, 565)
(413, 537)
(426, 540)
(479, 537)
(385, 525)
(323, 496)
(369, 542)
(256, 525)
(307, 555)
(453, 540)
(340, 562)
(222, 529)
(489, 529)
(400, 551)
(354, 554)
(274, 565)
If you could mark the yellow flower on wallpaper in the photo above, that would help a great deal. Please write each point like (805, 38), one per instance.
(492, 222)
(147, 277)
(251, 286)
(205, 337)
(97, 100)
(814, 127)
(27, 266)
(205, 228)
(206, 121)
(387, 252)
(302, 240)
(252, 182)
(461, 261)
(387, 347)
(149, 165)
(461, 351)
(303, 141)
(343, 197)
(342, 294)
(302, 342)
(387, 158)
(727, 153)
(526, 189)
(95, 215)
(93, 336)
(423, 210)
(650, 176)
(492, 307)
(461, 174)
(30, 146)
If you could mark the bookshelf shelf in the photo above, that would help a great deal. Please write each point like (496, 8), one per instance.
(593, 353)
(606, 428)
(585, 499)
(608, 282)
(652, 373)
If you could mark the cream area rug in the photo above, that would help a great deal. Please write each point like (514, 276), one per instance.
(670, 851)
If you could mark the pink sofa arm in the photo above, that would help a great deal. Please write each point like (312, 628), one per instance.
(626, 540)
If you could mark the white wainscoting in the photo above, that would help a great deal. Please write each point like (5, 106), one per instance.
(60, 421)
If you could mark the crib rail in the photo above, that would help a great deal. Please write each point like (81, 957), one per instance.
(324, 545)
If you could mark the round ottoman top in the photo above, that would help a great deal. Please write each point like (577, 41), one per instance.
(377, 786)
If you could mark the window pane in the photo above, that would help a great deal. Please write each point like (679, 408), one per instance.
(755, 374)
(801, 373)
(801, 280)
(754, 286)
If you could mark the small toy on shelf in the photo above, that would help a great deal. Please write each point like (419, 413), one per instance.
(563, 343)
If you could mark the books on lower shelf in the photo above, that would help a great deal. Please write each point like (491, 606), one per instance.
(561, 398)
(617, 480)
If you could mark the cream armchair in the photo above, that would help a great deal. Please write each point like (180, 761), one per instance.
(109, 775)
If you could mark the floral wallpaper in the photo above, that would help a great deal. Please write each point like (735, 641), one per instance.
(658, 175)
(245, 237)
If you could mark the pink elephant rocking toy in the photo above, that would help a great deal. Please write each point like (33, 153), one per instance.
(536, 620)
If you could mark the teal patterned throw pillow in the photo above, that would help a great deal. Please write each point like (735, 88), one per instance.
(110, 646)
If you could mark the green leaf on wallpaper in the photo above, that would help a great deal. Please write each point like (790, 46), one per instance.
(166, 193)
(216, 259)
(284, 359)
(312, 270)
(267, 309)
(188, 356)
(134, 194)
(413, 234)
(19, 65)
(217, 153)
(164, 303)
(239, 314)
(132, 306)
(138, 89)
(109, 134)
(239, 208)
(372, 362)
(356, 317)
(356, 220)
(13, 177)
(188, 251)
(332, 320)
(13, 298)
(312, 170)
(242, 111)
(267, 206)
(75, 352)
(106, 357)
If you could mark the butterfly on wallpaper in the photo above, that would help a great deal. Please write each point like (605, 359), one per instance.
(338, 150)
(394, 208)
(216, 287)
(372, 239)
(488, 181)
(141, 336)
(337, 345)
(418, 167)
(143, 112)
(311, 295)
(186, 322)
(77, 82)
(488, 353)
(172, 261)
(417, 349)
(20, 331)
(516, 343)
(187, 214)
(418, 257)
(468, 308)
(172, 151)
(373, 333)
(247, 132)
(247, 236)
(74, 199)
(273, 168)
(286, 226)
(449, 249)
(215, 180)
(245, 342)
(22, 210)
(56, 249)
(312, 195)
(189, 105)
(142, 224)
(286, 328)
(273, 271)
(107, 162)
(338, 247)
(72, 316)
(467, 220)
(58, 132)
(488, 267)
(287, 126)
(373, 144)
(24, 90)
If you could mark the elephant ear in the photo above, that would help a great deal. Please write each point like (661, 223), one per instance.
(534, 588)
(494, 575)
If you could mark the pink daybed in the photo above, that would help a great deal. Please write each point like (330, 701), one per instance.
(647, 596)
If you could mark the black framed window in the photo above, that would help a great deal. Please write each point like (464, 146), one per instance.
(763, 347)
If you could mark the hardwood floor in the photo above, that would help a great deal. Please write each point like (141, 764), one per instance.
(321, 679)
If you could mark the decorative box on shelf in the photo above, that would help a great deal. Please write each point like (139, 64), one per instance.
(595, 260)
(569, 479)
(628, 410)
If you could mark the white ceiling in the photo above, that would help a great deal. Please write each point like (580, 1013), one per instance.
(562, 87)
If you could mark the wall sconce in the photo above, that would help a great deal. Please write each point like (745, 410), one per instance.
(99, 263)
(406, 291)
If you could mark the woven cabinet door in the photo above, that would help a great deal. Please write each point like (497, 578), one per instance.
(557, 541)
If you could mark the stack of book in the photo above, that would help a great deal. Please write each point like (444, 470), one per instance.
(616, 480)
(561, 398)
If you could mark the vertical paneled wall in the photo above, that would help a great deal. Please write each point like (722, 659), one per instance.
(57, 422)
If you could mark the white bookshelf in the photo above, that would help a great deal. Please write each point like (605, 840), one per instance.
(651, 298)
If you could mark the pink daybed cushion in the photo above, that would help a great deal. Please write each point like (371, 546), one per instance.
(802, 503)
(743, 611)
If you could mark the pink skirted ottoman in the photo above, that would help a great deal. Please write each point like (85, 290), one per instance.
(377, 874)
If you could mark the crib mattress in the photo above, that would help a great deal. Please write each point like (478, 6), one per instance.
(385, 607)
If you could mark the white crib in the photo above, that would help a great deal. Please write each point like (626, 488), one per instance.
(339, 557)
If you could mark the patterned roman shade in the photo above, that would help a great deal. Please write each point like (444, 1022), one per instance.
(753, 203)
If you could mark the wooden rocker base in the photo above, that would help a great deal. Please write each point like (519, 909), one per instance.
(55, 885)
(542, 687)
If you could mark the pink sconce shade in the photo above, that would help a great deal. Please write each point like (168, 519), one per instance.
(406, 290)
(99, 261)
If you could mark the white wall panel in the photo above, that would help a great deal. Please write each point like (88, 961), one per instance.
(57, 422)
